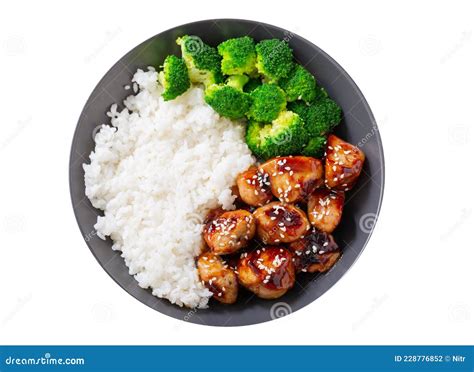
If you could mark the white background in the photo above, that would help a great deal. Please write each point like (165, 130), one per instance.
(412, 285)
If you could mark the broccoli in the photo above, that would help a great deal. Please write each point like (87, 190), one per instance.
(238, 56)
(252, 85)
(320, 117)
(274, 59)
(203, 61)
(228, 99)
(174, 77)
(299, 85)
(237, 81)
(283, 136)
(315, 147)
(320, 93)
(267, 102)
(299, 108)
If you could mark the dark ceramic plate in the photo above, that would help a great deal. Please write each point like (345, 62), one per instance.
(358, 127)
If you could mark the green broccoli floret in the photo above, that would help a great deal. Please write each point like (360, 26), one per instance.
(252, 85)
(299, 85)
(238, 56)
(274, 59)
(283, 136)
(203, 61)
(228, 99)
(320, 93)
(174, 77)
(315, 147)
(237, 81)
(320, 117)
(299, 107)
(268, 100)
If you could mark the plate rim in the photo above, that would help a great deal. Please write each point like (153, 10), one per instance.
(364, 101)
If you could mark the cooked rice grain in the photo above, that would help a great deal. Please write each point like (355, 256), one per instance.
(155, 173)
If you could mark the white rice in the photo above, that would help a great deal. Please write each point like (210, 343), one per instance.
(155, 173)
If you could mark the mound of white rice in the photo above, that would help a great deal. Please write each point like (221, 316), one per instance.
(155, 173)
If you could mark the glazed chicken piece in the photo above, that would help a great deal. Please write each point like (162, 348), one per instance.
(230, 231)
(316, 252)
(293, 178)
(268, 272)
(218, 277)
(280, 223)
(343, 164)
(254, 187)
(325, 209)
(213, 214)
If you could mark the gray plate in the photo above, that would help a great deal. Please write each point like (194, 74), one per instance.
(358, 127)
